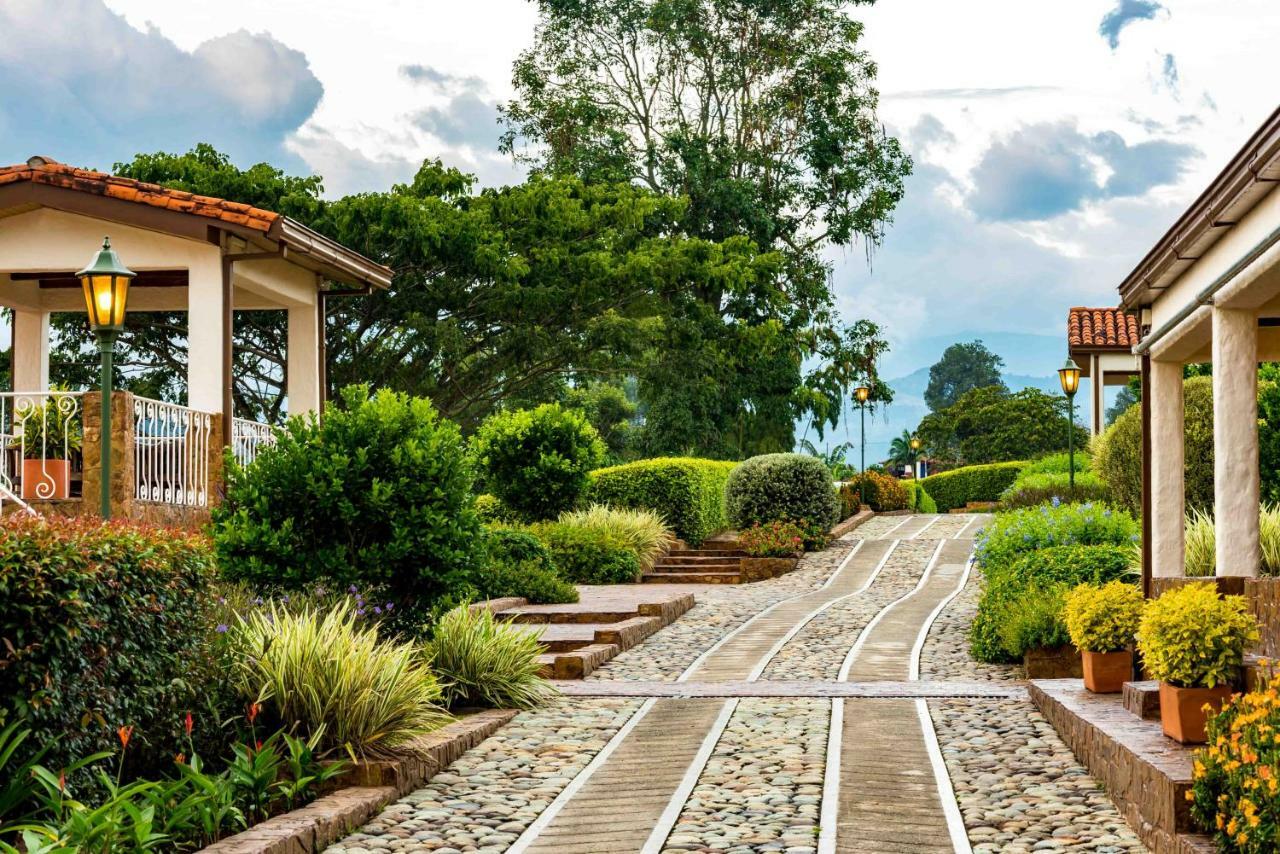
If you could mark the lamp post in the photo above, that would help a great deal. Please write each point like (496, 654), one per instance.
(915, 456)
(861, 393)
(1069, 376)
(106, 290)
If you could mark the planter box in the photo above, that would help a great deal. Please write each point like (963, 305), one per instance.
(1106, 672)
(48, 480)
(1052, 662)
(1182, 714)
(761, 568)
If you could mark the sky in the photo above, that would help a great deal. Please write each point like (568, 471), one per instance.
(1053, 142)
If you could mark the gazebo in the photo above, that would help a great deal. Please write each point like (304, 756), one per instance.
(202, 255)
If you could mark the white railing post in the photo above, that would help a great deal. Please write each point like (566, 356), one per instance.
(248, 437)
(171, 453)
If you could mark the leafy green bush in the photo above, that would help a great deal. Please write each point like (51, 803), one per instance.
(1103, 618)
(1010, 588)
(1013, 534)
(775, 487)
(918, 498)
(641, 531)
(484, 662)
(884, 494)
(536, 461)
(377, 494)
(588, 555)
(101, 626)
(520, 565)
(1057, 464)
(687, 492)
(956, 488)
(490, 510)
(1030, 490)
(1193, 638)
(334, 679)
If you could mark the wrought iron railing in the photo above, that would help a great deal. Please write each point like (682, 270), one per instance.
(248, 438)
(40, 442)
(171, 453)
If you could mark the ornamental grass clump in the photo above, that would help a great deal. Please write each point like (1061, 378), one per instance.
(335, 679)
(1201, 542)
(482, 661)
(644, 532)
(1193, 638)
(1103, 618)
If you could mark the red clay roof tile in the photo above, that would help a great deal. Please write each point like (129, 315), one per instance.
(1102, 328)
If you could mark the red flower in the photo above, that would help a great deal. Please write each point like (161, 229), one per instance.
(181, 758)
(125, 733)
(62, 781)
(188, 723)
(252, 713)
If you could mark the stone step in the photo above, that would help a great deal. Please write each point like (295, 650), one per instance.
(576, 664)
(706, 553)
(691, 578)
(695, 560)
(1142, 699)
(567, 637)
(525, 616)
(716, 566)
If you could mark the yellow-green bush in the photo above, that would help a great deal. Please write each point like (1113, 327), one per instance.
(642, 531)
(687, 492)
(1193, 638)
(1103, 619)
(956, 488)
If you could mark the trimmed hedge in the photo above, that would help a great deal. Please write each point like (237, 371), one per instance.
(776, 487)
(102, 626)
(918, 498)
(884, 493)
(956, 488)
(688, 492)
(1030, 490)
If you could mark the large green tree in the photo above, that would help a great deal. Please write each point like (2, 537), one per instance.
(763, 115)
(962, 367)
(992, 424)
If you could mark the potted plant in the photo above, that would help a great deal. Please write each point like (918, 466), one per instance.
(772, 549)
(50, 432)
(1102, 622)
(1193, 640)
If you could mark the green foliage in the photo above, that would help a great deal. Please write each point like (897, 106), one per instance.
(642, 531)
(588, 555)
(777, 487)
(490, 510)
(484, 662)
(536, 461)
(1018, 532)
(378, 493)
(1193, 638)
(883, 493)
(772, 539)
(956, 488)
(335, 679)
(962, 368)
(688, 493)
(1103, 618)
(1057, 464)
(918, 498)
(520, 565)
(51, 428)
(100, 626)
(1201, 557)
(1021, 598)
(992, 424)
(1030, 490)
(608, 409)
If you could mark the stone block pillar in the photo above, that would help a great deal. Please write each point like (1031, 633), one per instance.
(1168, 486)
(122, 459)
(1236, 486)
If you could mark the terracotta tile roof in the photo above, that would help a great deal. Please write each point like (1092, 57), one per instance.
(42, 170)
(1101, 328)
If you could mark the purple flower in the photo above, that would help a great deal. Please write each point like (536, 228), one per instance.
(360, 612)
(390, 605)
(351, 589)
(377, 610)
(257, 600)
(222, 600)
(284, 600)
(222, 628)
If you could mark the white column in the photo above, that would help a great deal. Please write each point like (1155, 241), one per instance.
(1235, 441)
(205, 375)
(30, 350)
(303, 375)
(1167, 477)
(1098, 385)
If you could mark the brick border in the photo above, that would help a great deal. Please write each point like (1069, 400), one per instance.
(852, 522)
(367, 788)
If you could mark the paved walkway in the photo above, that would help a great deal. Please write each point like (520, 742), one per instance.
(784, 716)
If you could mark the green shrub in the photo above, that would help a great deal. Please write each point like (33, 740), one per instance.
(520, 565)
(884, 494)
(1030, 490)
(377, 494)
(641, 531)
(588, 555)
(490, 510)
(335, 680)
(536, 461)
(1057, 464)
(484, 662)
(1192, 637)
(956, 488)
(101, 626)
(1013, 534)
(1010, 587)
(1032, 620)
(687, 492)
(775, 487)
(918, 498)
(1103, 618)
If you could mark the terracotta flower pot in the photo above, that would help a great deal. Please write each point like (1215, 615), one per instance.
(46, 479)
(1182, 710)
(1106, 672)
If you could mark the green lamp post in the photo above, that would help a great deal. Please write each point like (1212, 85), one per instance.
(915, 455)
(861, 393)
(106, 291)
(1069, 376)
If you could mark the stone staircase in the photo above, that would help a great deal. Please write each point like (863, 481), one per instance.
(713, 564)
(579, 637)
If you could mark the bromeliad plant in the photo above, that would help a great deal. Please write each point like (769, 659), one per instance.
(772, 539)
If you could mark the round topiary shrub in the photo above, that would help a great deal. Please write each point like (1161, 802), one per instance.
(775, 487)
(377, 494)
(536, 461)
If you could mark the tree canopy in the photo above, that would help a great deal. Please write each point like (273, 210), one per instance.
(992, 424)
(961, 368)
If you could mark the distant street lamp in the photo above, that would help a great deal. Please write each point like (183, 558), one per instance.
(915, 455)
(861, 393)
(1069, 375)
(106, 291)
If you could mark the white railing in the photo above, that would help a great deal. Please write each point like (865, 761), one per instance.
(171, 453)
(40, 441)
(248, 437)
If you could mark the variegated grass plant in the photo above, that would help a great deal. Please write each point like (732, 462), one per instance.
(482, 661)
(1201, 542)
(642, 531)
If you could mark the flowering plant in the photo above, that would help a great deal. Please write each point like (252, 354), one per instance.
(1235, 786)
(772, 539)
(1033, 528)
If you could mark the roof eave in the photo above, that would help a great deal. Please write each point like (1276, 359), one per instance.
(340, 263)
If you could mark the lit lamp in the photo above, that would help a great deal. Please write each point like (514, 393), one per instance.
(861, 393)
(1069, 376)
(915, 454)
(106, 290)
